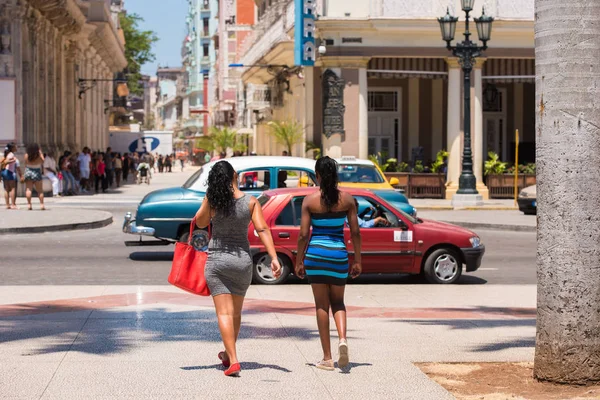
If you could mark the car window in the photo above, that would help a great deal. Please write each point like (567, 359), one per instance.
(369, 209)
(396, 200)
(189, 184)
(289, 178)
(359, 173)
(254, 180)
(263, 199)
(291, 213)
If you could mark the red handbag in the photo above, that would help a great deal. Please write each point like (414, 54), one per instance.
(187, 271)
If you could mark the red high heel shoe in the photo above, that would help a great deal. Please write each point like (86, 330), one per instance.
(234, 370)
(224, 360)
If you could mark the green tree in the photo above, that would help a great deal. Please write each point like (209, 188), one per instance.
(220, 139)
(287, 133)
(138, 49)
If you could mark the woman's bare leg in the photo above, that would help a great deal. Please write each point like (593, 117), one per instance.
(321, 294)
(338, 308)
(39, 187)
(12, 193)
(224, 306)
(29, 186)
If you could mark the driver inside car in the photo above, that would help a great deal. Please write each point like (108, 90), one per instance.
(370, 223)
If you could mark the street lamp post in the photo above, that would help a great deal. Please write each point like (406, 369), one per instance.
(466, 52)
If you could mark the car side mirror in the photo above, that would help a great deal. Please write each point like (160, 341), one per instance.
(394, 182)
(303, 181)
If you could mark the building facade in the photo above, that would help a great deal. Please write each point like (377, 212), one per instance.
(48, 47)
(198, 58)
(236, 20)
(402, 89)
(170, 93)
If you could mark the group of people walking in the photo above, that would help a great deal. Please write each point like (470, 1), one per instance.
(84, 172)
(322, 256)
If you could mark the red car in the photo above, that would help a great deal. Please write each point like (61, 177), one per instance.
(406, 245)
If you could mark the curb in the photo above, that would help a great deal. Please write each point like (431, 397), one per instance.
(57, 228)
(494, 227)
(450, 208)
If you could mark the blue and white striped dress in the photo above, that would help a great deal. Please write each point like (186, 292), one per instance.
(326, 258)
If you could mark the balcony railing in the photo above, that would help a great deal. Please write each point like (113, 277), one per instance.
(430, 9)
(258, 97)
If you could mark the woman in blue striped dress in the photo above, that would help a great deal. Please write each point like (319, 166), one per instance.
(324, 259)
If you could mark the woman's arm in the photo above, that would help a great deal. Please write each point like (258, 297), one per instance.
(203, 215)
(264, 233)
(303, 238)
(356, 269)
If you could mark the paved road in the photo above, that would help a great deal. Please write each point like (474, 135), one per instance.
(100, 257)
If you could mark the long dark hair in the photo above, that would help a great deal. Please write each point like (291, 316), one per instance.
(327, 171)
(33, 152)
(220, 187)
(9, 149)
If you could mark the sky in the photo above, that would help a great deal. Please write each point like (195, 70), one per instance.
(167, 19)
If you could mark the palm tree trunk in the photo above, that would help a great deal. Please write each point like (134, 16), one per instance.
(567, 51)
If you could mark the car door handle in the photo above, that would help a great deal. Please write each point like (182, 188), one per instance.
(284, 235)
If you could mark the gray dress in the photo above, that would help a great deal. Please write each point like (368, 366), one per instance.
(229, 265)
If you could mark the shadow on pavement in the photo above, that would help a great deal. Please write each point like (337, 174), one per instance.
(249, 366)
(516, 343)
(121, 331)
(151, 256)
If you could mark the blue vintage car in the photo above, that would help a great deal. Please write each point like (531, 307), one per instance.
(166, 214)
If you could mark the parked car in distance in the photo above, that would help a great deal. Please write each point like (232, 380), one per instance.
(358, 173)
(398, 200)
(166, 214)
(527, 200)
(407, 245)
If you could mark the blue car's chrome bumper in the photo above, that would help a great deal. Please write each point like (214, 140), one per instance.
(129, 226)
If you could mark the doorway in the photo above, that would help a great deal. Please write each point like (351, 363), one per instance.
(494, 126)
(385, 123)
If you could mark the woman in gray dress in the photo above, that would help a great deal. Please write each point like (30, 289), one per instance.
(228, 269)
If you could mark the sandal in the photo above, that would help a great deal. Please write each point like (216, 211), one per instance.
(326, 365)
(344, 358)
(224, 359)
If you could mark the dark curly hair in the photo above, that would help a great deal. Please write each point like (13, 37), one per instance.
(327, 171)
(220, 187)
(33, 152)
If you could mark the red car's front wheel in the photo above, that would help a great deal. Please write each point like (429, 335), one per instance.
(262, 273)
(443, 266)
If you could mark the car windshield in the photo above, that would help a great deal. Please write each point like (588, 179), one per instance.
(198, 180)
(359, 173)
(395, 199)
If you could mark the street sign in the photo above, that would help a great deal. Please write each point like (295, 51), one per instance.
(333, 104)
(304, 32)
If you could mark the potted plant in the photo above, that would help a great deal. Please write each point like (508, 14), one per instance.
(500, 180)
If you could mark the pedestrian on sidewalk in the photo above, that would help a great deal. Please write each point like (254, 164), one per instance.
(65, 170)
(168, 164)
(34, 161)
(324, 259)
(85, 160)
(118, 162)
(160, 164)
(110, 170)
(126, 167)
(101, 174)
(228, 269)
(10, 167)
(51, 172)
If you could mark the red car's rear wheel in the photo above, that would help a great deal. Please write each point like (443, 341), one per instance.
(261, 270)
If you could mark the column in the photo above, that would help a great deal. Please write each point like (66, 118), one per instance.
(437, 115)
(477, 142)
(309, 114)
(453, 129)
(413, 114)
(363, 114)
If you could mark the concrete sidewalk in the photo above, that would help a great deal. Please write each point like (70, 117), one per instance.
(101, 342)
(446, 205)
(485, 219)
(37, 221)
